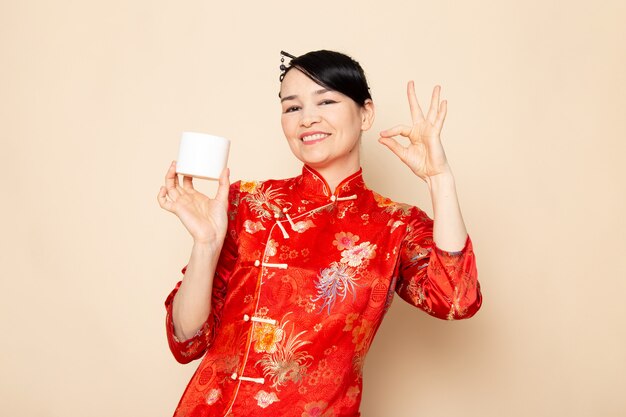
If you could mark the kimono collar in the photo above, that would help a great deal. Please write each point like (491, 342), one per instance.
(312, 184)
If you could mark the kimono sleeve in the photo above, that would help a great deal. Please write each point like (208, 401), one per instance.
(195, 347)
(443, 284)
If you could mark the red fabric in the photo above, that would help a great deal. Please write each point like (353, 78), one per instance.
(327, 281)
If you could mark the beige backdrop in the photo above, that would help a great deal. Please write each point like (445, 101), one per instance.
(94, 96)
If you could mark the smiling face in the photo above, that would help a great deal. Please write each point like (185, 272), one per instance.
(323, 127)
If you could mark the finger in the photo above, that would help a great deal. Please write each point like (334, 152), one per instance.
(396, 130)
(434, 105)
(441, 116)
(223, 187)
(173, 193)
(171, 179)
(162, 199)
(187, 183)
(416, 110)
(394, 146)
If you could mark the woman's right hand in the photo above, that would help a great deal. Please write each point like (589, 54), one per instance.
(205, 218)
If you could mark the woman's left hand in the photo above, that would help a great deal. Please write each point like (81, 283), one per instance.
(424, 154)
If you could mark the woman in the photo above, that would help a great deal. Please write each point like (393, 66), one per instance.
(288, 280)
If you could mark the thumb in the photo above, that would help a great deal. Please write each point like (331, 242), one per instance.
(223, 187)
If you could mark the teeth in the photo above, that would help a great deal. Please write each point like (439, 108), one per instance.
(314, 137)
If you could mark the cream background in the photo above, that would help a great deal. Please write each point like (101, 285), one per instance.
(94, 95)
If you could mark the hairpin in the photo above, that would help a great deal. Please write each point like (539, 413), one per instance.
(283, 67)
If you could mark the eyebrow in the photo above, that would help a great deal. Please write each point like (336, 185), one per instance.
(293, 97)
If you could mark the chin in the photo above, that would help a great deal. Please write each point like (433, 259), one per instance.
(313, 160)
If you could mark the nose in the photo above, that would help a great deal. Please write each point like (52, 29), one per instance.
(309, 117)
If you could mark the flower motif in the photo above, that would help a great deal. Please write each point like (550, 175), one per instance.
(330, 350)
(263, 399)
(303, 226)
(350, 321)
(249, 186)
(213, 396)
(353, 392)
(301, 301)
(317, 409)
(354, 256)
(264, 203)
(252, 227)
(361, 335)
(345, 240)
(317, 327)
(267, 337)
(338, 280)
(382, 201)
(390, 206)
(287, 362)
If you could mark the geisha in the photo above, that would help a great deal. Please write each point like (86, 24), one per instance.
(288, 280)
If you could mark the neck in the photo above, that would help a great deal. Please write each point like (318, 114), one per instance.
(334, 176)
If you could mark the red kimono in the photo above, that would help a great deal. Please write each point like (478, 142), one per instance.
(303, 282)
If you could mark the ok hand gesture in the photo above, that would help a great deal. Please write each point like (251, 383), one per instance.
(424, 153)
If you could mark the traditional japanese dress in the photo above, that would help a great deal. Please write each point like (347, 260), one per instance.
(304, 279)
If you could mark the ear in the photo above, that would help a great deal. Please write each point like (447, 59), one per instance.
(367, 115)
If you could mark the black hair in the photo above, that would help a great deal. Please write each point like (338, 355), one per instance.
(335, 71)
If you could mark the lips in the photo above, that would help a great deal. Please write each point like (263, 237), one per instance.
(312, 137)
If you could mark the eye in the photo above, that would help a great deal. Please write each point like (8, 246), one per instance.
(291, 109)
(327, 101)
